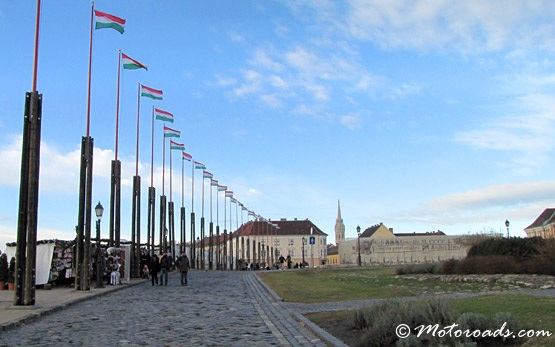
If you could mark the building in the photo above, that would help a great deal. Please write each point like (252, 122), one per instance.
(333, 255)
(380, 246)
(264, 242)
(543, 226)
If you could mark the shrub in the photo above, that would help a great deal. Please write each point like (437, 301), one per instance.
(520, 248)
(508, 322)
(472, 321)
(410, 341)
(430, 268)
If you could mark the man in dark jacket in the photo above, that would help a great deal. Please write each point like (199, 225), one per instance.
(184, 266)
(165, 266)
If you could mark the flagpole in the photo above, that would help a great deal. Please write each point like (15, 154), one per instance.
(152, 151)
(36, 54)
(163, 162)
(170, 173)
(182, 180)
(89, 74)
(117, 104)
(138, 116)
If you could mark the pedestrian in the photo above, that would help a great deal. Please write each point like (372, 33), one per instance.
(184, 266)
(154, 268)
(165, 266)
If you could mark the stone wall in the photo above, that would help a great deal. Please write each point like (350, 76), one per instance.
(403, 250)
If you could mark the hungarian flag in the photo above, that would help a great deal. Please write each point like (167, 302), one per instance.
(214, 183)
(199, 166)
(163, 115)
(178, 146)
(105, 20)
(131, 64)
(169, 132)
(222, 188)
(233, 200)
(187, 156)
(228, 194)
(206, 174)
(151, 93)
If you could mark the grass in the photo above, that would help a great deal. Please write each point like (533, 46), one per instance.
(328, 285)
(533, 312)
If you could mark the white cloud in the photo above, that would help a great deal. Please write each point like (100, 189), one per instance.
(521, 203)
(467, 26)
(351, 122)
(527, 133)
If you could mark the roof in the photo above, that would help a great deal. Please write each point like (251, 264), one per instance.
(368, 232)
(286, 227)
(333, 249)
(427, 233)
(547, 217)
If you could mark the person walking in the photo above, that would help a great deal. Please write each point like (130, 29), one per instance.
(184, 266)
(154, 268)
(165, 266)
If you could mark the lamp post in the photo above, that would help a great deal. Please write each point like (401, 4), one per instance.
(507, 225)
(304, 242)
(99, 210)
(359, 259)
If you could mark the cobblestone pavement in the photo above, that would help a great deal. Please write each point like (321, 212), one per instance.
(217, 308)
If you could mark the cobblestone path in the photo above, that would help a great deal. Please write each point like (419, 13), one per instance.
(217, 308)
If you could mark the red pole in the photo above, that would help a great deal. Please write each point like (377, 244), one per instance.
(36, 57)
(89, 77)
(117, 104)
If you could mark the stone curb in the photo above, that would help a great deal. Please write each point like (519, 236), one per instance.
(323, 335)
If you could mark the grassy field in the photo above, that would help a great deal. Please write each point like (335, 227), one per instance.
(327, 285)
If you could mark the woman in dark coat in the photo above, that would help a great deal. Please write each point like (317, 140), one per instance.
(154, 267)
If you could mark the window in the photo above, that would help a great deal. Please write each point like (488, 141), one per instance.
(290, 242)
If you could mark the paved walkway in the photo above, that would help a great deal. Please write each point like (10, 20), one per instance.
(217, 308)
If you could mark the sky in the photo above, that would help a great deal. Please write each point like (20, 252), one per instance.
(422, 115)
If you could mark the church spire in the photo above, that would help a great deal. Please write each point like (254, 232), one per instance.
(339, 226)
(339, 219)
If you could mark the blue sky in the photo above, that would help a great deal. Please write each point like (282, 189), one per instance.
(423, 115)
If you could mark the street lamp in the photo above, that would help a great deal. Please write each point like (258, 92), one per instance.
(304, 242)
(99, 210)
(507, 225)
(358, 232)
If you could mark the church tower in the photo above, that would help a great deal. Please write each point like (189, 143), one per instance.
(339, 226)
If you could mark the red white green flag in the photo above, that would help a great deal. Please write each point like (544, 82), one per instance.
(152, 93)
(187, 156)
(206, 174)
(199, 166)
(214, 183)
(163, 115)
(131, 64)
(222, 188)
(169, 132)
(105, 20)
(233, 200)
(178, 146)
(228, 194)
